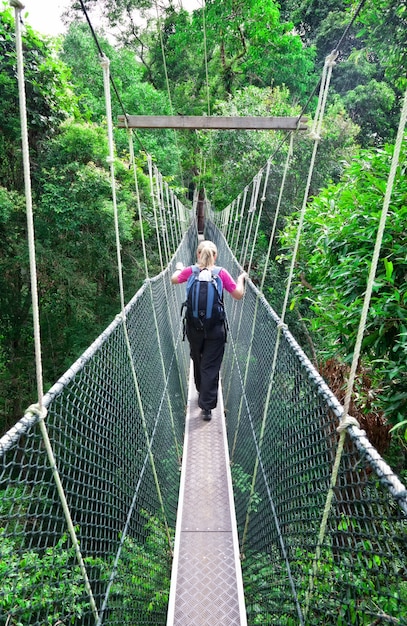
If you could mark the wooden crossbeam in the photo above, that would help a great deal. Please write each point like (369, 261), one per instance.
(213, 122)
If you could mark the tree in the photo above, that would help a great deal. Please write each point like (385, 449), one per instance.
(370, 57)
(76, 259)
(80, 53)
(244, 44)
(49, 97)
(336, 250)
(384, 27)
(236, 156)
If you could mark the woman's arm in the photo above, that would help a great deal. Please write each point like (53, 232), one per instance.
(238, 293)
(176, 278)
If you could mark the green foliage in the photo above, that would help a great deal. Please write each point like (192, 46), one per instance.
(46, 586)
(371, 106)
(49, 97)
(372, 57)
(353, 590)
(142, 583)
(384, 26)
(242, 484)
(15, 330)
(234, 156)
(136, 97)
(337, 243)
(236, 43)
(76, 259)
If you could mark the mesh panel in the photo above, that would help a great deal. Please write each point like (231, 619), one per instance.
(95, 425)
(112, 452)
(361, 575)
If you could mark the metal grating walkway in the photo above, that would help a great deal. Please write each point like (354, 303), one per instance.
(206, 583)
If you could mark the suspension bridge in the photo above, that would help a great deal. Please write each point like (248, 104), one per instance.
(120, 505)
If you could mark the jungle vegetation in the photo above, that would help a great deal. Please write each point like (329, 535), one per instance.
(242, 57)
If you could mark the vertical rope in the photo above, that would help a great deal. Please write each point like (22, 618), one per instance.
(154, 203)
(235, 221)
(131, 151)
(347, 420)
(282, 187)
(260, 211)
(170, 212)
(160, 203)
(376, 252)
(266, 482)
(251, 212)
(207, 84)
(239, 230)
(167, 82)
(106, 80)
(277, 212)
(39, 409)
(330, 60)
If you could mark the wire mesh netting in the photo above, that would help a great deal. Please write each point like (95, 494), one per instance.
(117, 443)
(108, 447)
(283, 441)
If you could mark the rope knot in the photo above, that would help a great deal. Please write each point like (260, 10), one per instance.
(314, 135)
(104, 62)
(121, 317)
(346, 421)
(109, 159)
(282, 326)
(17, 5)
(36, 409)
(330, 60)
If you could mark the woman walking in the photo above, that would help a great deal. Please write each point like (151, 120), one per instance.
(207, 343)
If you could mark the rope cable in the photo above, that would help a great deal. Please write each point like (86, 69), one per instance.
(251, 211)
(239, 230)
(173, 247)
(347, 420)
(163, 217)
(153, 201)
(282, 187)
(167, 82)
(235, 221)
(38, 409)
(376, 252)
(263, 473)
(110, 158)
(277, 212)
(125, 530)
(140, 216)
(349, 26)
(260, 211)
(315, 133)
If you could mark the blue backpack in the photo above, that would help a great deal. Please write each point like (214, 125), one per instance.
(204, 303)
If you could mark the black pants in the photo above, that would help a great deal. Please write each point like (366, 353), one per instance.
(207, 349)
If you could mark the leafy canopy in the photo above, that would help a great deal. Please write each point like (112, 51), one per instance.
(335, 256)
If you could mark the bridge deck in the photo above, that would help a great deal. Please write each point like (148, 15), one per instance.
(206, 583)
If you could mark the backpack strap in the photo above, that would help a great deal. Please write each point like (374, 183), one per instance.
(215, 275)
(192, 278)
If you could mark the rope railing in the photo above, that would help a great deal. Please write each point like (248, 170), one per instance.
(95, 427)
(104, 441)
(359, 577)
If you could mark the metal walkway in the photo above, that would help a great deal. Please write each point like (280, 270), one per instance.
(206, 583)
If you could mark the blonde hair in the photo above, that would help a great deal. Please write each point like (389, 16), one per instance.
(207, 253)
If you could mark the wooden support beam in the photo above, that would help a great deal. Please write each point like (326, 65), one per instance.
(212, 122)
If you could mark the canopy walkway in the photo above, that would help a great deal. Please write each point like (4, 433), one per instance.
(206, 585)
(116, 502)
(118, 452)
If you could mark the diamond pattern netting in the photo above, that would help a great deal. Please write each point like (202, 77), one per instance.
(95, 424)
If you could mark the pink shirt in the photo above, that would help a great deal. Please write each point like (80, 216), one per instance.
(228, 282)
